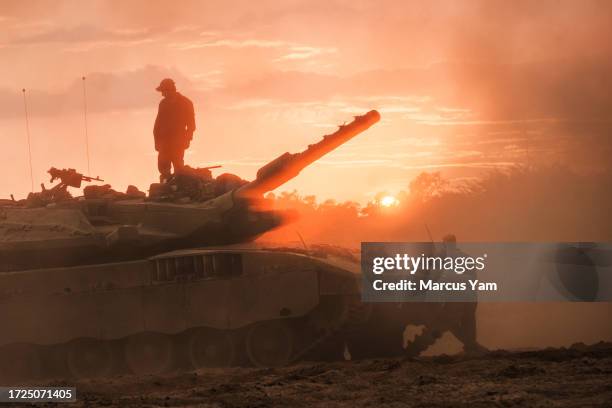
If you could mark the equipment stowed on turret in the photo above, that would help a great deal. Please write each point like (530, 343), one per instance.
(116, 275)
(59, 192)
(191, 184)
(68, 178)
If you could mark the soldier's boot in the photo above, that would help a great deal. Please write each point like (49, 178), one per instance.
(473, 347)
(163, 178)
(465, 332)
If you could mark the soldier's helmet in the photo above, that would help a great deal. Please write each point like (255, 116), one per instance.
(450, 242)
(449, 238)
(167, 84)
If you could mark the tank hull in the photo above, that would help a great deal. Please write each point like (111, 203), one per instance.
(180, 302)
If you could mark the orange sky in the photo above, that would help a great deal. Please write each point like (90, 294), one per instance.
(461, 86)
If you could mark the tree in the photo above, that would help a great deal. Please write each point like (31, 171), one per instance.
(428, 185)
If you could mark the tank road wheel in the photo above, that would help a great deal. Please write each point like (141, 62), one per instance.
(330, 349)
(89, 358)
(19, 362)
(149, 353)
(270, 344)
(211, 348)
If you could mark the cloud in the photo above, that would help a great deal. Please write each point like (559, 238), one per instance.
(472, 165)
(301, 52)
(550, 90)
(86, 37)
(558, 92)
(209, 80)
(291, 51)
(80, 35)
(227, 43)
(107, 92)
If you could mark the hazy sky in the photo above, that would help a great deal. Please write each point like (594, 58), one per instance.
(462, 86)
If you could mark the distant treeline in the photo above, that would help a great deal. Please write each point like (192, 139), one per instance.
(520, 204)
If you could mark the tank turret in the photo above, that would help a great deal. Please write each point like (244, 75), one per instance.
(192, 210)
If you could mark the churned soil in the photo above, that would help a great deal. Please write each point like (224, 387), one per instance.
(579, 376)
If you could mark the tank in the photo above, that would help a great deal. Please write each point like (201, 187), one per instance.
(51, 228)
(118, 282)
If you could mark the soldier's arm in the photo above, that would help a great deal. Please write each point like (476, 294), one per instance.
(156, 126)
(191, 126)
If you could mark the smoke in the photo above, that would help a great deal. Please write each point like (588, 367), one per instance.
(538, 204)
(526, 205)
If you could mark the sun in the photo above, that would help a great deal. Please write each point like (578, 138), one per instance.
(388, 201)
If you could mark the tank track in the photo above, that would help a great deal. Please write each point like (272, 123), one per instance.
(354, 316)
(28, 362)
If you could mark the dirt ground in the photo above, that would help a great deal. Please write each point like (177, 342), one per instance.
(579, 376)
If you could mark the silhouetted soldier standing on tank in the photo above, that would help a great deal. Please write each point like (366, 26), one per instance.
(173, 130)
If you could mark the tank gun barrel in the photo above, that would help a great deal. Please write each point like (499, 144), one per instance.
(288, 165)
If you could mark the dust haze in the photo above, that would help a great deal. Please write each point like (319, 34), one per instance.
(544, 204)
(495, 127)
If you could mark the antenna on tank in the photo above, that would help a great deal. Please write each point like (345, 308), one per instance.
(27, 122)
(302, 239)
(85, 123)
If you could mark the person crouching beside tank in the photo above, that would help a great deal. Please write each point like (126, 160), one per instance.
(173, 129)
(457, 317)
(461, 316)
